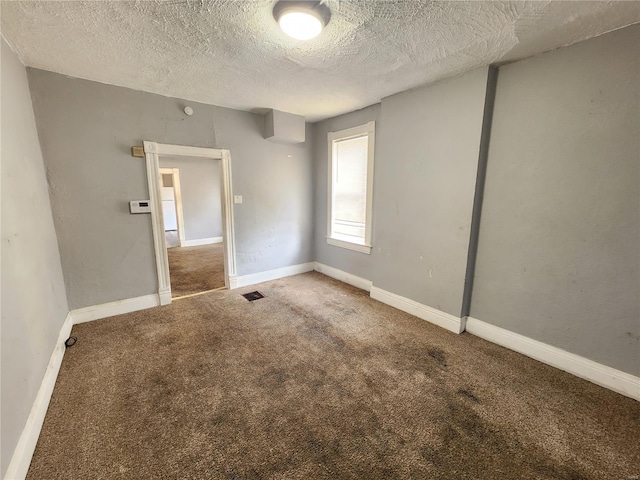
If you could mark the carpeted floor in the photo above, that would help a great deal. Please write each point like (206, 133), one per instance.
(196, 269)
(318, 381)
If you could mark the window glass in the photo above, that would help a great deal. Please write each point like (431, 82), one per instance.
(350, 189)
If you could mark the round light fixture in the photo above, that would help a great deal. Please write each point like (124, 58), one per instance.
(302, 20)
(299, 24)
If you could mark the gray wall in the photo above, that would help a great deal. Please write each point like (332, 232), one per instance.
(425, 172)
(426, 158)
(356, 263)
(86, 131)
(34, 302)
(200, 192)
(558, 257)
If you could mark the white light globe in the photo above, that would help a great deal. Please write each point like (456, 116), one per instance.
(300, 25)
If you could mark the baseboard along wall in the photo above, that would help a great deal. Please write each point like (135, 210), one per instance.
(430, 314)
(343, 276)
(442, 319)
(21, 459)
(201, 241)
(118, 307)
(254, 278)
(608, 377)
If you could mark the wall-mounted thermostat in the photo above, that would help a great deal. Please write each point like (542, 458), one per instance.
(140, 206)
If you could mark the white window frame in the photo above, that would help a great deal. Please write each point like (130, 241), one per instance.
(369, 130)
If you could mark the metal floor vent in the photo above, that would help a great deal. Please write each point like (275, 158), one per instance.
(251, 296)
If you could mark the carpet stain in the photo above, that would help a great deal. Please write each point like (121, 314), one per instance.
(465, 392)
(438, 355)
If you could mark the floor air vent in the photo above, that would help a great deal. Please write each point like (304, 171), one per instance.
(251, 296)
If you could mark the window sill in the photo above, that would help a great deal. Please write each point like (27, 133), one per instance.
(350, 246)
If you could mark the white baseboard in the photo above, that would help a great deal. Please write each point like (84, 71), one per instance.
(118, 307)
(164, 294)
(616, 380)
(200, 241)
(345, 277)
(442, 319)
(252, 279)
(21, 459)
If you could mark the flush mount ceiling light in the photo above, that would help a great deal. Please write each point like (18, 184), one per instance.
(300, 25)
(302, 20)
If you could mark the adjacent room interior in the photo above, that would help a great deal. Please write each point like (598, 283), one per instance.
(192, 218)
(400, 240)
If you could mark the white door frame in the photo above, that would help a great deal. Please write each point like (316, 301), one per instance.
(177, 197)
(152, 151)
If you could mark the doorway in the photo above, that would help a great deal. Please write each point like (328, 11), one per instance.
(192, 216)
(170, 226)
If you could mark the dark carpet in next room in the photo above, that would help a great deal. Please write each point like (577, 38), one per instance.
(319, 381)
(196, 269)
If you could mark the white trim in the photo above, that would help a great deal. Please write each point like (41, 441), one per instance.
(21, 459)
(177, 192)
(616, 380)
(118, 307)
(345, 277)
(181, 150)
(442, 319)
(157, 220)
(268, 275)
(349, 245)
(164, 296)
(152, 152)
(228, 226)
(352, 132)
(368, 129)
(202, 241)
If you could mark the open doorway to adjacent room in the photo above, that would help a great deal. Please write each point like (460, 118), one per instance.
(192, 217)
(190, 190)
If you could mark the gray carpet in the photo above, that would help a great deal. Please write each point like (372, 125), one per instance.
(318, 381)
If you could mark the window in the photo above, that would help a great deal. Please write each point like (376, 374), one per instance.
(350, 187)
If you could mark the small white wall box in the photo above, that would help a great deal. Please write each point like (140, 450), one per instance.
(140, 206)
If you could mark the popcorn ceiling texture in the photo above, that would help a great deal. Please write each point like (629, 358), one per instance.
(232, 53)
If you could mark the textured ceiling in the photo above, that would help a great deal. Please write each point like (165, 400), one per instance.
(232, 52)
